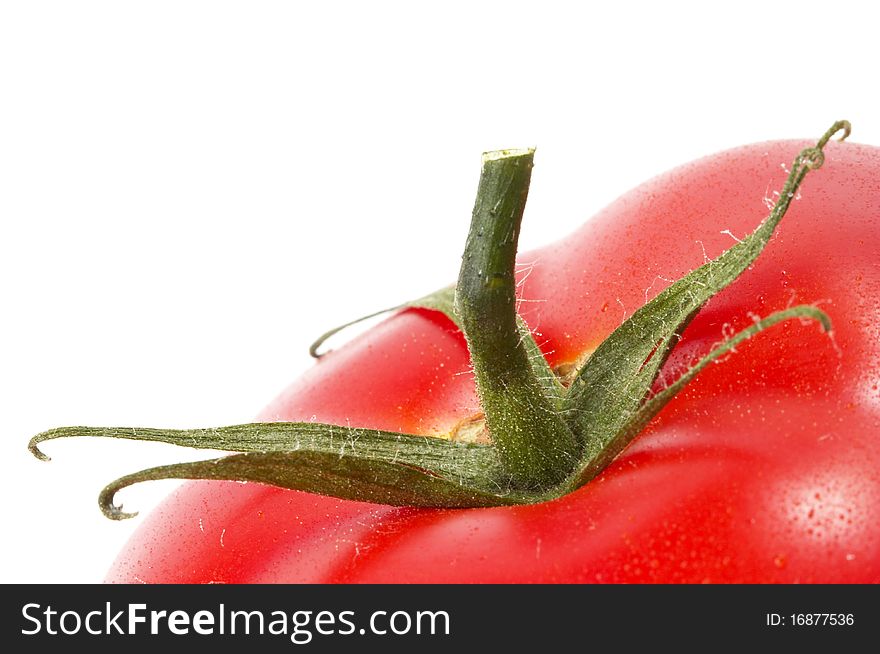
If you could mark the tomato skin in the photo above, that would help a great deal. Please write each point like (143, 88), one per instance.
(765, 469)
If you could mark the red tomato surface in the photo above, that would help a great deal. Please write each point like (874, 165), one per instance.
(765, 469)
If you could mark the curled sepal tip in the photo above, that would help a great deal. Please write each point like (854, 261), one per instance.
(315, 348)
(814, 157)
(108, 508)
(36, 451)
(840, 126)
(441, 301)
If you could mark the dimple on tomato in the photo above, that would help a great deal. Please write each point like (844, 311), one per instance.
(764, 468)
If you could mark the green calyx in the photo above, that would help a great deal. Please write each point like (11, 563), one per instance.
(546, 439)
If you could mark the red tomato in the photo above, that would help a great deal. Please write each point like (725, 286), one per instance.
(765, 469)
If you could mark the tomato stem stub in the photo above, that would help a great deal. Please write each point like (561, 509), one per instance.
(546, 440)
(535, 446)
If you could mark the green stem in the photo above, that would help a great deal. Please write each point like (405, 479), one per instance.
(535, 446)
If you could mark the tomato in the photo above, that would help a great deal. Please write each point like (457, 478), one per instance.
(766, 468)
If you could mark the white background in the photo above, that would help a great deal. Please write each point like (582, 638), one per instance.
(191, 191)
